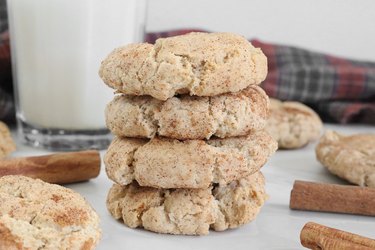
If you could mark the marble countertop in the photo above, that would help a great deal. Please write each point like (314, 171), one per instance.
(276, 227)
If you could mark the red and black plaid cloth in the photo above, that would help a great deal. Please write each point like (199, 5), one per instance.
(6, 90)
(340, 90)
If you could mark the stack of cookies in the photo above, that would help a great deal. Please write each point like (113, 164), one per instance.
(188, 118)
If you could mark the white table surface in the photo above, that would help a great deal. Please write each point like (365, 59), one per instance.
(276, 227)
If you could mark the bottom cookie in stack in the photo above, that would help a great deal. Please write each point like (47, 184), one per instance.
(188, 211)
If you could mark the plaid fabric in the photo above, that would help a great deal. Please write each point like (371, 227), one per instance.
(3, 16)
(340, 90)
(6, 90)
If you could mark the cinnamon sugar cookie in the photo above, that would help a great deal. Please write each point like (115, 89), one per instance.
(169, 163)
(7, 144)
(349, 157)
(38, 215)
(293, 124)
(188, 211)
(199, 64)
(188, 117)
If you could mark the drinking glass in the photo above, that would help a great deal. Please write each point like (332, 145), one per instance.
(56, 48)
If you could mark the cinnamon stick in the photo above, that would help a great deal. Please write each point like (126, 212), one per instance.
(316, 236)
(332, 198)
(59, 168)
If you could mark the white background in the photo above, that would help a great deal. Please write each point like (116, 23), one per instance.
(340, 27)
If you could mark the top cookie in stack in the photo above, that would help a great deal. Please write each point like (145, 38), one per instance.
(196, 64)
(189, 120)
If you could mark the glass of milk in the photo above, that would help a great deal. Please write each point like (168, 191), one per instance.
(57, 47)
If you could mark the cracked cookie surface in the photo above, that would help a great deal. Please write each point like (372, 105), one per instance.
(169, 163)
(293, 124)
(349, 157)
(188, 117)
(39, 215)
(199, 64)
(7, 144)
(188, 211)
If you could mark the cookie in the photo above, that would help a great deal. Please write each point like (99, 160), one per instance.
(7, 144)
(188, 117)
(38, 215)
(349, 157)
(170, 163)
(199, 64)
(188, 211)
(292, 124)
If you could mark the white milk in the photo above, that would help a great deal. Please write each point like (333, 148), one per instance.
(57, 47)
